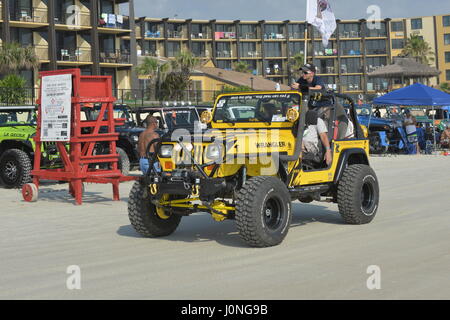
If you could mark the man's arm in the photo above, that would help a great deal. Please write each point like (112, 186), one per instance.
(326, 143)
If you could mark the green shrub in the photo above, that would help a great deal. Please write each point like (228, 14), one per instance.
(12, 90)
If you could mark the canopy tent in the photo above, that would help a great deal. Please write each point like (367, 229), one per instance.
(416, 95)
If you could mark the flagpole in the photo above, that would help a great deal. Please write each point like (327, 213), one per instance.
(306, 32)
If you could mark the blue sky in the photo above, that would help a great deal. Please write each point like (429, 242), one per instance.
(283, 9)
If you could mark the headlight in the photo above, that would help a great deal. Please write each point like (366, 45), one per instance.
(214, 151)
(135, 138)
(166, 151)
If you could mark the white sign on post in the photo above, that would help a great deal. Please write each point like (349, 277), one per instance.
(56, 106)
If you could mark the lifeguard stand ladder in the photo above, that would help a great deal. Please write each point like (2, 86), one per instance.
(77, 152)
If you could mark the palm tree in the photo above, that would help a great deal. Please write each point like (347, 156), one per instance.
(155, 71)
(445, 87)
(14, 57)
(295, 63)
(177, 76)
(416, 47)
(241, 66)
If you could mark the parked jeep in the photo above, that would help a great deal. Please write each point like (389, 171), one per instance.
(171, 117)
(17, 129)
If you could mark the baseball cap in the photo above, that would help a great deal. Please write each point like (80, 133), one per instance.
(309, 67)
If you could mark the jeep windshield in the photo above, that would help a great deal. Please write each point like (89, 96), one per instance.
(255, 107)
(17, 117)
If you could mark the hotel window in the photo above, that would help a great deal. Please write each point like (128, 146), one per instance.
(351, 83)
(330, 82)
(223, 50)
(447, 57)
(22, 36)
(351, 65)
(349, 30)
(106, 6)
(397, 26)
(248, 50)
(446, 21)
(225, 28)
(199, 31)
(447, 73)
(372, 63)
(351, 48)
(375, 47)
(447, 39)
(173, 48)
(273, 31)
(398, 43)
(378, 32)
(325, 66)
(149, 48)
(331, 50)
(272, 49)
(224, 64)
(296, 47)
(416, 24)
(296, 31)
(247, 31)
(198, 49)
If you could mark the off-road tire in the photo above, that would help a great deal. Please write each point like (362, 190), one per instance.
(124, 161)
(256, 226)
(18, 161)
(143, 216)
(358, 194)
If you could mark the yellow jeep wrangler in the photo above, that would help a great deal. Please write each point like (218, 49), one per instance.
(250, 164)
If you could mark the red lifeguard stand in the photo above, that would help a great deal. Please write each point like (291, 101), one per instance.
(76, 151)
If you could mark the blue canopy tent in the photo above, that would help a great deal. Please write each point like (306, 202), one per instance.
(416, 95)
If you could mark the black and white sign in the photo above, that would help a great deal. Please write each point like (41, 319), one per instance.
(56, 107)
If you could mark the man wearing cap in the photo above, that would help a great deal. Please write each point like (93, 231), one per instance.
(309, 80)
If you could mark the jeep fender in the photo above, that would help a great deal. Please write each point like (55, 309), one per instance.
(348, 157)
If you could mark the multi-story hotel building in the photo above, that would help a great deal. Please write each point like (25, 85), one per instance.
(88, 34)
(100, 40)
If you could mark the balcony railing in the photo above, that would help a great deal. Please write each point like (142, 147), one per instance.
(297, 35)
(113, 21)
(38, 15)
(201, 35)
(248, 35)
(251, 54)
(74, 19)
(274, 36)
(75, 55)
(151, 34)
(224, 35)
(223, 54)
(376, 51)
(350, 34)
(115, 56)
(175, 34)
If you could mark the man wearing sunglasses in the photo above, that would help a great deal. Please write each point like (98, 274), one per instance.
(309, 81)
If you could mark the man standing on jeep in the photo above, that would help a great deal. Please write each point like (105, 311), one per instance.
(145, 138)
(309, 81)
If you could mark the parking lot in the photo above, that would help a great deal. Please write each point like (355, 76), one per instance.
(321, 258)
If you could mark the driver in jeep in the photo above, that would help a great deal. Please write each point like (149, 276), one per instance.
(316, 128)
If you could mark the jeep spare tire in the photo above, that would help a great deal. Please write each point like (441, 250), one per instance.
(263, 211)
(15, 168)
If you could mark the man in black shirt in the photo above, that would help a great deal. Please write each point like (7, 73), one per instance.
(309, 80)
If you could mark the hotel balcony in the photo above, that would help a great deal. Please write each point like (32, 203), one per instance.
(74, 56)
(29, 17)
(75, 21)
(115, 58)
(113, 24)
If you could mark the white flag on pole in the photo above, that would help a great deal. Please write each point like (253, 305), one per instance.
(320, 15)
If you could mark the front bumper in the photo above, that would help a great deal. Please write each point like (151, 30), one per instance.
(185, 183)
